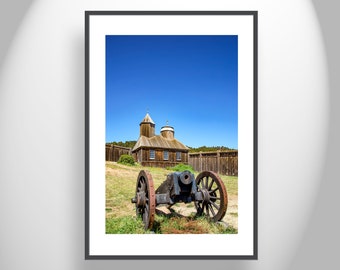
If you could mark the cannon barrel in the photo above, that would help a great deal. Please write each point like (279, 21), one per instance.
(185, 177)
(178, 183)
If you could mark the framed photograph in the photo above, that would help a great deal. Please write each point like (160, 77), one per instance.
(171, 135)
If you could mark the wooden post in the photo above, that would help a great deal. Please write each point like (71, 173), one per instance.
(218, 160)
(200, 161)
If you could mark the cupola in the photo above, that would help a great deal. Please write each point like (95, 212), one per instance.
(147, 127)
(168, 132)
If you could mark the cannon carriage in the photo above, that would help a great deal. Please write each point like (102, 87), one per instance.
(207, 191)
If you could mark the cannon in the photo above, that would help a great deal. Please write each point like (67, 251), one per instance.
(207, 191)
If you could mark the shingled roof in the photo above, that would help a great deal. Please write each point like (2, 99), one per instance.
(159, 142)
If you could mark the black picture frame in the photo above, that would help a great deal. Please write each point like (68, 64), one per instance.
(89, 125)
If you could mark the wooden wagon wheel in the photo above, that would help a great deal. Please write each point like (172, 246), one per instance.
(215, 197)
(145, 199)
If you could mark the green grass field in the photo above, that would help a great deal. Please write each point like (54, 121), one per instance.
(121, 215)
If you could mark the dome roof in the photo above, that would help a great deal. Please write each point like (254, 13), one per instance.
(167, 128)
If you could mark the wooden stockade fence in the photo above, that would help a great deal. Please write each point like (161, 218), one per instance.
(113, 152)
(222, 162)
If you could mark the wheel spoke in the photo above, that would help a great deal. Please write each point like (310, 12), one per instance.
(145, 217)
(215, 205)
(212, 210)
(206, 182)
(215, 198)
(212, 191)
(202, 184)
(211, 184)
(202, 208)
(207, 209)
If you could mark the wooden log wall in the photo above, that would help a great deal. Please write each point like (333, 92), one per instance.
(222, 162)
(143, 157)
(113, 152)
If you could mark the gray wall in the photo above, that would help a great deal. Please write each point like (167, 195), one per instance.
(42, 200)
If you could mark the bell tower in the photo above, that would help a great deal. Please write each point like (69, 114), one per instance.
(147, 127)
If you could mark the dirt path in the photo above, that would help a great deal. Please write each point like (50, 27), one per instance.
(230, 218)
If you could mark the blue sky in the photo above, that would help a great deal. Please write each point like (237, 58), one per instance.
(189, 81)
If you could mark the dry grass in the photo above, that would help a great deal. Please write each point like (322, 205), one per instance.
(121, 186)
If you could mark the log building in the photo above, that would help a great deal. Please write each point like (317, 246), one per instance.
(158, 150)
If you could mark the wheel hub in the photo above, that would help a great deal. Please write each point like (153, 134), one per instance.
(206, 196)
(141, 199)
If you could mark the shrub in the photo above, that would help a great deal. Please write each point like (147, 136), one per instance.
(181, 167)
(126, 160)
